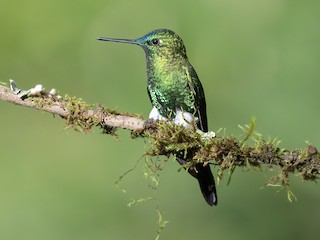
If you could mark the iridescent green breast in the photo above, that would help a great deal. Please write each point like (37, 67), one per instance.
(169, 88)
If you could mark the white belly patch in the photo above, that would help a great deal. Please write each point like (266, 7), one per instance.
(183, 118)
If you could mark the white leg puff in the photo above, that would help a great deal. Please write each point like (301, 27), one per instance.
(185, 119)
(155, 115)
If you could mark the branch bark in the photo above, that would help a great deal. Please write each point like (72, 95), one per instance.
(168, 139)
(65, 107)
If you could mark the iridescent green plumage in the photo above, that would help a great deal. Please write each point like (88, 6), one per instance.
(174, 89)
(172, 81)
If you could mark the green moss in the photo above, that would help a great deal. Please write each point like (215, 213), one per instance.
(252, 151)
(77, 119)
(168, 138)
(228, 153)
(80, 120)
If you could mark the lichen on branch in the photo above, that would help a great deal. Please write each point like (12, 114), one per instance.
(225, 152)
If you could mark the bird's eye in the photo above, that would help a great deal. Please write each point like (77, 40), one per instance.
(155, 41)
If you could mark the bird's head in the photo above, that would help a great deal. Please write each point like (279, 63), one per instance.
(160, 42)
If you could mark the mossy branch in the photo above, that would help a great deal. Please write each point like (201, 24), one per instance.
(78, 114)
(167, 139)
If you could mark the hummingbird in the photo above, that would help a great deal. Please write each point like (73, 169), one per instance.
(176, 94)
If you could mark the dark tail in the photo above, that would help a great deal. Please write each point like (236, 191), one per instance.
(205, 179)
(207, 185)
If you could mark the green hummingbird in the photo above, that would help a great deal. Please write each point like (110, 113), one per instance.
(176, 93)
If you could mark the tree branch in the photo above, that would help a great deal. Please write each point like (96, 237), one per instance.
(71, 108)
(169, 139)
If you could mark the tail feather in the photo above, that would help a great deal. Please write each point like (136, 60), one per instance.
(207, 184)
(205, 179)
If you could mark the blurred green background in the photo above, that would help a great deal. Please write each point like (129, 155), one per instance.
(253, 57)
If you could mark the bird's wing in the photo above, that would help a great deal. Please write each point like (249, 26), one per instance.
(200, 101)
